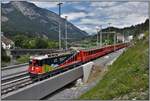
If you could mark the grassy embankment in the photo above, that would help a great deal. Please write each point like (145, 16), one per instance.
(127, 78)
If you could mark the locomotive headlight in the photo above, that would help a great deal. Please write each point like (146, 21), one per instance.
(32, 68)
(36, 68)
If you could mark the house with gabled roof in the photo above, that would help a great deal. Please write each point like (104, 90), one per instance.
(6, 43)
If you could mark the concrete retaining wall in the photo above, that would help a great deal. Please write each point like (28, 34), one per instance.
(40, 89)
(87, 70)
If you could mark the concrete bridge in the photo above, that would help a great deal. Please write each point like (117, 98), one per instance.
(18, 52)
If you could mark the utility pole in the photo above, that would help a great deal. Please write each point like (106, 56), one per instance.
(117, 41)
(101, 44)
(114, 40)
(97, 28)
(108, 34)
(123, 37)
(66, 33)
(59, 5)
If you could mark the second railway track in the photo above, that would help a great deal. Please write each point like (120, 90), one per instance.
(13, 77)
(14, 85)
(17, 80)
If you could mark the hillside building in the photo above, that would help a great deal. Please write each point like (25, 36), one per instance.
(6, 43)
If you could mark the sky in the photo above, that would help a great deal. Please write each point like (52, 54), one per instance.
(88, 15)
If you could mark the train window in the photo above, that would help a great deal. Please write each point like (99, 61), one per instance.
(45, 61)
(74, 58)
(55, 60)
(39, 62)
(48, 61)
(62, 58)
(35, 63)
(91, 52)
(30, 62)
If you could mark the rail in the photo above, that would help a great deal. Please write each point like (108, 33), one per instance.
(45, 87)
(13, 66)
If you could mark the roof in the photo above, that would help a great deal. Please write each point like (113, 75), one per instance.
(39, 57)
(6, 40)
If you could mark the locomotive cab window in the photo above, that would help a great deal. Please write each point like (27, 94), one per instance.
(35, 62)
(30, 62)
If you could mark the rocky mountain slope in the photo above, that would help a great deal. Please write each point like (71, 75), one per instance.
(21, 17)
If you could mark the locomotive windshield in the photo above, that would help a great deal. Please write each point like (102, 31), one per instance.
(35, 62)
(30, 62)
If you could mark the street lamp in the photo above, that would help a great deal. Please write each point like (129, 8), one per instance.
(59, 5)
(66, 32)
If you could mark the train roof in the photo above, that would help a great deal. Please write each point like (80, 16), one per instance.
(39, 57)
(95, 48)
(49, 56)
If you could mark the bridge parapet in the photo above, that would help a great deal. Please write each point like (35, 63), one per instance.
(19, 52)
(41, 89)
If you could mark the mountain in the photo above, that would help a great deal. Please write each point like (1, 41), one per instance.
(21, 17)
(134, 30)
(131, 30)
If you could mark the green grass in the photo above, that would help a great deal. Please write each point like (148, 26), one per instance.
(24, 58)
(129, 73)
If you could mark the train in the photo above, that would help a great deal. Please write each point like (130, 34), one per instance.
(43, 66)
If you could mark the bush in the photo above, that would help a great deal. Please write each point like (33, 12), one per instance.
(4, 57)
(23, 41)
(23, 58)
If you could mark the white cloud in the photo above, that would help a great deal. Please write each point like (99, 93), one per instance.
(128, 8)
(74, 15)
(90, 30)
(120, 14)
(4, 1)
(103, 4)
(131, 19)
(90, 21)
(80, 7)
(45, 4)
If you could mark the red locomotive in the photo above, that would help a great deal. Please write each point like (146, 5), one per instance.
(47, 66)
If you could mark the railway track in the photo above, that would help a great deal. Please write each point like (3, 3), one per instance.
(18, 80)
(13, 66)
(13, 77)
(24, 80)
(15, 82)
(15, 85)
